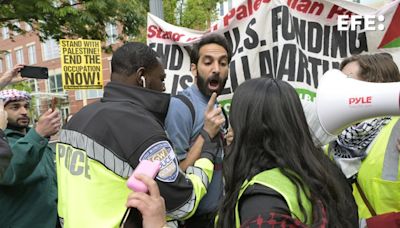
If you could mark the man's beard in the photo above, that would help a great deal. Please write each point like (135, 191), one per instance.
(203, 84)
(16, 126)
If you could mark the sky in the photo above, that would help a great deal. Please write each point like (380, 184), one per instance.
(374, 3)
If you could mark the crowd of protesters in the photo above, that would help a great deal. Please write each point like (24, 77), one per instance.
(261, 167)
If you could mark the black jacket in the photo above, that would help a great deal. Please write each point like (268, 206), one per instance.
(128, 121)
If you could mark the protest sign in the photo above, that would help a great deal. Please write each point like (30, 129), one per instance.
(81, 64)
(294, 40)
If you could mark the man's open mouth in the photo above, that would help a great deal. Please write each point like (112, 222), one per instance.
(213, 84)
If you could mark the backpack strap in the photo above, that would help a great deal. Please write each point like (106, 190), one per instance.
(188, 103)
(364, 198)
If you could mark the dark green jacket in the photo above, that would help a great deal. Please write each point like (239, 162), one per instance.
(5, 154)
(28, 190)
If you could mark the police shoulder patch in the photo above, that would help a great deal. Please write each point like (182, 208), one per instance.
(162, 151)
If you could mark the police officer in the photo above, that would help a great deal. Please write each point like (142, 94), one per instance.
(103, 143)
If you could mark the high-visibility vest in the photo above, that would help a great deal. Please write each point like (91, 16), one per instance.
(82, 203)
(275, 180)
(379, 173)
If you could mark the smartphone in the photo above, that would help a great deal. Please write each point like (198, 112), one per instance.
(53, 103)
(35, 72)
(146, 167)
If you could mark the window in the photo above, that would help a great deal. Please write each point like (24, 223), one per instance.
(16, 24)
(1, 66)
(9, 63)
(55, 83)
(32, 54)
(5, 32)
(33, 85)
(221, 9)
(112, 33)
(90, 94)
(19, 54)
(50, 50)
(28, 27)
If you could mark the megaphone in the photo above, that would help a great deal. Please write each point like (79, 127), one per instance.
(342, 101)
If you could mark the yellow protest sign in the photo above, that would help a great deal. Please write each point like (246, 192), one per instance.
(81, 64)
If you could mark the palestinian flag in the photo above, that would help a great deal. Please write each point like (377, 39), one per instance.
(391, 39)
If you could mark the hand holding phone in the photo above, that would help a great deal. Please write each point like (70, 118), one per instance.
(35, 72)
(53, 103)
(146, 167)
(150, 206)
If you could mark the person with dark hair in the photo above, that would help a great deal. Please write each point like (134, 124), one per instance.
(378, 67)
(367, 151)
(104, 142)
(210, 59)
(28, 188)
(274, 174)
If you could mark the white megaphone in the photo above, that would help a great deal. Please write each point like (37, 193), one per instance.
(342, 101)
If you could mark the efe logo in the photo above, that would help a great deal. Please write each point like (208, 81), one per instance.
(369, 22)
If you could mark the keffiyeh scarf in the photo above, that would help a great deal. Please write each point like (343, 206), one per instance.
(354, 140)
(14, 95)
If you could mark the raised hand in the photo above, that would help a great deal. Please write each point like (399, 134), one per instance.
(213, 117)
(11, 76)
(151, 205)
(3, 116)
(49, 123)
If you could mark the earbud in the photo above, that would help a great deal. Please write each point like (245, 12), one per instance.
(143, 81)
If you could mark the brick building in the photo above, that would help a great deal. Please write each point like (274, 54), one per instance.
(27, 49)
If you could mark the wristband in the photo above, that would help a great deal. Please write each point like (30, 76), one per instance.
(210, 146)
(207, 137)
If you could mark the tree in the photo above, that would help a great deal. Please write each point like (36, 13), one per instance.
(171, 9)
(199, 14)
(85, 19)
(194, 14)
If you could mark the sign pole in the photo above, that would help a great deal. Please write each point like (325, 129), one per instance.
(84, 97)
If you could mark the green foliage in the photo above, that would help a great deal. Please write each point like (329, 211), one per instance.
(194, 14)
(141, 37)
(86, 19)
(199, 14)
(23, 86)
(171, 11)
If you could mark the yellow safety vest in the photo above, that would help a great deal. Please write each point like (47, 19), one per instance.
(379, 173)
(275, 180)
(89, 205)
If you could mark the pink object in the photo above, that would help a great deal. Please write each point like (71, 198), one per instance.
(146, 167)
(14, 95)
